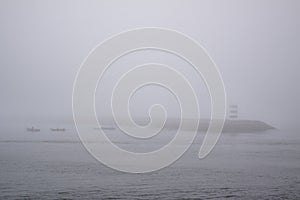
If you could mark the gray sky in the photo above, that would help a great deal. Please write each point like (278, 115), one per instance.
(255, 44)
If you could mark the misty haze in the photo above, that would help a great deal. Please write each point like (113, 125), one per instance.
(44, 149)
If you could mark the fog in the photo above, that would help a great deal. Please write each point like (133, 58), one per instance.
(255, 44)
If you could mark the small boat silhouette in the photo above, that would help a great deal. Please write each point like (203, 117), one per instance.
(105, 128)
(58, 129)
(32, 129)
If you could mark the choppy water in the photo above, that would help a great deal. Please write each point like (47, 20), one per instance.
(55, 165)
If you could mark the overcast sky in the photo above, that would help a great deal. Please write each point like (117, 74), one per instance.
(255, 44)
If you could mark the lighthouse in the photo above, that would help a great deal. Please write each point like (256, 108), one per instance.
(233, 111)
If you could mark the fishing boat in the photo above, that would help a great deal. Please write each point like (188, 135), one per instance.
(32, 129)
(105, 128)
(57, 129)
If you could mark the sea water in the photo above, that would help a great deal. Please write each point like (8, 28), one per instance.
(55, 165)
